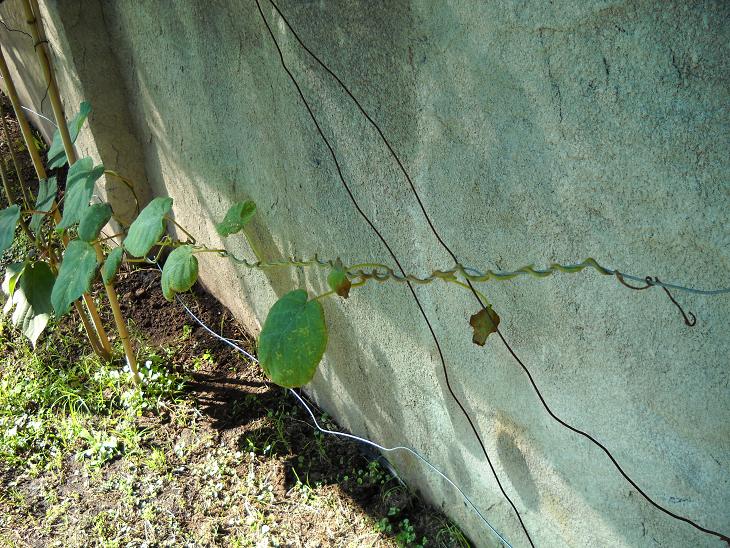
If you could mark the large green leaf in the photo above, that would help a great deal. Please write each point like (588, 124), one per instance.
(8, 220)
(79, 187)
(93, 220)
(293, 339)
(148, 227)
(57, 154)
(180, 271)
(111, 264)
(74, 277)
(32, 300)
(236, 218)
(46, 196)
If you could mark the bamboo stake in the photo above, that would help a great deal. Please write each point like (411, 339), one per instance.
(84, 319)
(96, 334)
(36, 28)
(19, 174)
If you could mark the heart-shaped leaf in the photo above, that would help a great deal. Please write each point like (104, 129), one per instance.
(237, 216)
(79, 188)
(57, 154)
(293, 340)
(338, 280)
(484, 322)
(46, 196)
(74, 277)
(111, 264)
(8, 220)
(147, 227)
(93, 220)
(32, 300)
(180, 271)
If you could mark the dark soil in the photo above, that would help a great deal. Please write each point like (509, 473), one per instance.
(225, 388)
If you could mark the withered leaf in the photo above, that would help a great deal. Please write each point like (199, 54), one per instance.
(484, 322)
(338, 280)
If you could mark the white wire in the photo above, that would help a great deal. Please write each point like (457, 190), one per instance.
(39, 115)
(344, 434)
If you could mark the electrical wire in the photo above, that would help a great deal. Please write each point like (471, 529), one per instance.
(39, 115)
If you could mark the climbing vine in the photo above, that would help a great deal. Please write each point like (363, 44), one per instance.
(71, 256)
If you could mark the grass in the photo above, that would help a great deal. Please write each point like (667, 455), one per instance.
(58, 400)
(86, 459)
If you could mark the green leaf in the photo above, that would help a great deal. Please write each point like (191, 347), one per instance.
(79, 187)
(74, 277)
(180, 271)
(338, 280)
(13, 272)
(293, 340)
(147, 227)
(46, 196)
(93, 220)
(8, 220)
(484, 322)
(236, 218)
(32, 300)
(57, 154)
(111, 265)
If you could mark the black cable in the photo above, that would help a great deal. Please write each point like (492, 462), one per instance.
(392, 254)
(454, 257)
(14, 30)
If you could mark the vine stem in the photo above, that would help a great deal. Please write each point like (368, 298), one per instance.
(36, 29)
(178, 225)
(94, 332)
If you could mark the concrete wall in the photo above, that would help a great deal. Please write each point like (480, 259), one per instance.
(535, 132)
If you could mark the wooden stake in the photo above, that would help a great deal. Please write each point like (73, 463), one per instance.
(96, 334)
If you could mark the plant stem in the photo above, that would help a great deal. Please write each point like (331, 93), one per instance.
(105, 238)
(472, 289)
(36, 29)
(192, 239)
(206, 250)
(96, 334)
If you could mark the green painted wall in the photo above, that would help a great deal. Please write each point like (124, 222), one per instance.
(534, 132)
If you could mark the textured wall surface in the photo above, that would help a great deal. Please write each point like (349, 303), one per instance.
(534, 132)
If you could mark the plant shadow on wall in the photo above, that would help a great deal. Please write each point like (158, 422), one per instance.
(295, 333)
